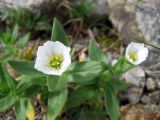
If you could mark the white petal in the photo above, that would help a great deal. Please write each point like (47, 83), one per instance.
(48, 70)
(66, 63)
(44, 54)
(67, 59)
(42, 57)
(139, 49)
(58, 47)
(136, 46)
(143, 53)
(47, 48)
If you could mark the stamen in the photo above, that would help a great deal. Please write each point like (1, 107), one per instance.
(133, 56)
(56, 61)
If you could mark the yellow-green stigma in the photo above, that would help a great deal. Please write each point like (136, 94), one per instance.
(133, 56)
(56, 61)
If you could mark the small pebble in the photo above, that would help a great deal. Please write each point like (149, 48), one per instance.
(145, 99)
(150, 84)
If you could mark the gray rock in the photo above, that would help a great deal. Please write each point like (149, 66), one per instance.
(135, 77)
(137, 20)
(154, 97)
(148, 19)
(132, 15)
(158, 85)
(100, 8)
(48, 6)
(151, 98)
(136, 80)
(150, 84)
(22, 3)
(145, 99)
(132, 94)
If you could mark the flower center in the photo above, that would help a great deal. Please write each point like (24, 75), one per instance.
(56, 61)
(133, 56)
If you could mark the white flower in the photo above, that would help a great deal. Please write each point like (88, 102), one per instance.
(53, 58)
(136, 53)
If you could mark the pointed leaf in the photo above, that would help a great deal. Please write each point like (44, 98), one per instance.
(119, 68)
(20, 109)
(62, 82)
(52, 81)
(10, 81)
(111, 102)
(56, 102)
(95, 53)
(122, 66)
(4, 89)
(15, 33)
(56, 83)
(58, 33)
(7, 102)
(2, 77)
(25, 67)
(84, 72)
(22, 41)
(6, 57)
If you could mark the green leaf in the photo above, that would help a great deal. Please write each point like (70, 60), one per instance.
(56, 102)
(6, 57)
(56, 83)
(14, 34)
(93, 113)
(2, 77)
(95, 53)
(22, 41)
(25, 82)
(52, 82)
(80, 95)
(58, 33)
(7, 102)
(83, 9)
(117, 84)
(25, 67)
(10, 81)
(62, 82)
(4, 89)
(84, 72)
(119, 68)
(20, 109)
(32, 91)
(122, 66)
(4, 49)
(111, 102)
(38, 80)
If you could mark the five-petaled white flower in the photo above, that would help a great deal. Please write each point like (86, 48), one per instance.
(136, 53)
(53, 58)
